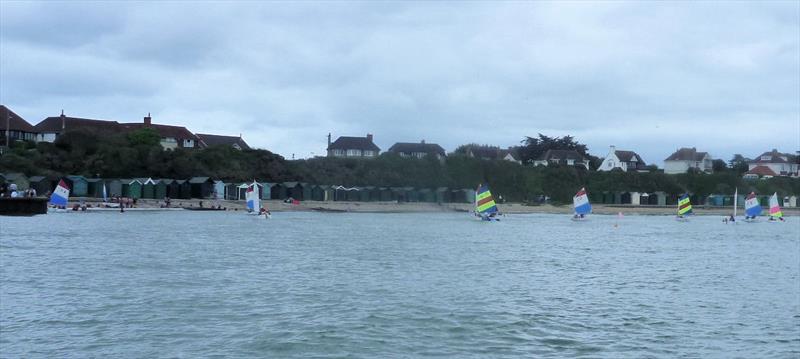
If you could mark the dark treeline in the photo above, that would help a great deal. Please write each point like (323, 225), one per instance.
(139, 154)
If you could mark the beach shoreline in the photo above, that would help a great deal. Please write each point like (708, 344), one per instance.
(420, 207)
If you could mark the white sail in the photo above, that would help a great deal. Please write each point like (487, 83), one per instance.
(735, 199)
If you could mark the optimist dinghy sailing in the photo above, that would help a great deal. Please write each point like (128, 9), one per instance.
(582, 205)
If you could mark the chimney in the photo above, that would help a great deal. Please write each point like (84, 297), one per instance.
(63, 120)
(369, 137)
(148, 120)
(422, 142)
(329, 140)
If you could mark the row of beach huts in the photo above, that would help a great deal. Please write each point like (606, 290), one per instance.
(209, 188)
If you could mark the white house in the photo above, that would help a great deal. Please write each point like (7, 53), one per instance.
(781, 164)
(624, 160)
(685, 158)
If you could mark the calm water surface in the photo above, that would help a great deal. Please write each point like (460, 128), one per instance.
(184, 284)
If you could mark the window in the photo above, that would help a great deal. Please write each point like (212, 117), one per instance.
(610, 164)
(353, 153)
(570, 162)
(169, 140)
(766, 158)
(338, 152)
(369, 153)
(188, 143)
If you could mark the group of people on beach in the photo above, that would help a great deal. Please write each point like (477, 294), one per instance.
(10, 190)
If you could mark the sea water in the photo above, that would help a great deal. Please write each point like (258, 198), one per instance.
(203, 284)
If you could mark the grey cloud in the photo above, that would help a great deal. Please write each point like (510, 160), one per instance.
(647, 76)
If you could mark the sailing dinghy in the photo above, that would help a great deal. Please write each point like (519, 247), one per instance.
(60, 197)
(485, 207)
(684, 208)
(582, 206)
(752, 208)
(775, 213)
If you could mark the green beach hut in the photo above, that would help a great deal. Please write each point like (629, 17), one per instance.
(160, 188)
(78, 186)
(131, 188)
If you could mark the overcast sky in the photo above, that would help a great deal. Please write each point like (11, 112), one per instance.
(644, 76)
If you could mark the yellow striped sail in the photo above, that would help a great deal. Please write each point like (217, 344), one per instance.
(484, 203)
(684, 205)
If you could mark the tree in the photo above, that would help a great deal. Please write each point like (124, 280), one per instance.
(719, 165)
(739, 163)
(532, 148)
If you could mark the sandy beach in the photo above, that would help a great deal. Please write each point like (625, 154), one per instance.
(409, 207)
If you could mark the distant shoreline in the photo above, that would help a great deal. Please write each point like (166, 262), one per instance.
(422, 207)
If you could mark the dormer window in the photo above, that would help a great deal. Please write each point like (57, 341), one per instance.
(766, 158)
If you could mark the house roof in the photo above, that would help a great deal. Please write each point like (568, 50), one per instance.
(421, 147)
(354, 143)
(37, 178)
(176, 132)
(14, 176)
(511, 151)
(761, 171)
(218, 140)
(628, 156)
(199, 179)
(15, 122)
(687, 154)
(54, 124)
(775, 157)
(561, 155)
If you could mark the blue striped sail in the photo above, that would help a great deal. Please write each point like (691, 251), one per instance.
(751, 206)
(581, 202)
(60, 195)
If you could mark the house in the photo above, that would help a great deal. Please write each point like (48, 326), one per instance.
(562, 157)
(624, 160)
(759, 172)
(780, 164)
(207, 140)
(49, 129)
(172, 137)
(685, 158)
(493, 153)
(353, 147)
(417, 150)
(14, 127)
